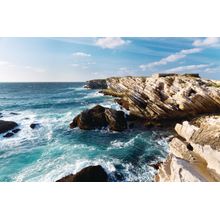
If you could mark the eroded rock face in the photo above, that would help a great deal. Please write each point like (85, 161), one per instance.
(99, 117)
(7, 126)
(96, 84)
(166, 96)
(88, 174)
(194, 153)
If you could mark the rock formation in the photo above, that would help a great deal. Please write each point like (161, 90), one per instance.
(88, 174)
(100, 117)
(7, 126)
(194, 152)
(164, 96)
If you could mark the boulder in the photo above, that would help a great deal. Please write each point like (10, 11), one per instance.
(99, 117)
(16, 130)
(116, 119)
(88, 174)
(7, 125)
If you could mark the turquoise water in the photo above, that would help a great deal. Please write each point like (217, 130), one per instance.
(53, 150)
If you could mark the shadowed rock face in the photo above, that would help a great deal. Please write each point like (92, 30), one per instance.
(165, 96)
(99, 117)
(88, 174)
(194, 153)
(96, 84)
(7, 125)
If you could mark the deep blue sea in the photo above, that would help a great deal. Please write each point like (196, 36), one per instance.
(53, 150)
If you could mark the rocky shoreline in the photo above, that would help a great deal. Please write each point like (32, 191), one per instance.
(190, 102)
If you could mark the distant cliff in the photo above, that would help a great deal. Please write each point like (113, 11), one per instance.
(163, 96)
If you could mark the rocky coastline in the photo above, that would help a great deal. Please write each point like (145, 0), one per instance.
(186, 103)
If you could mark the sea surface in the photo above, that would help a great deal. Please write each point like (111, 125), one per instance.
(53, 150)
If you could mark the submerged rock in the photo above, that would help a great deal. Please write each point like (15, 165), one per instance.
(7, 125)
(34, 125)
(194, 153)
(16, 130)
(88, 174)
(99, 117)
(8, 135)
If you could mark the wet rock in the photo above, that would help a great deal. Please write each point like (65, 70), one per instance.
(14, 113)
(100, 117)
(116, 120)
(16, 130)
(8, 135)
(34, 125)
(88, 174)
(7, 125)
(156, 166)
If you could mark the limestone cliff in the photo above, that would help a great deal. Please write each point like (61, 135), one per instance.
(163, 96)
(194, 152)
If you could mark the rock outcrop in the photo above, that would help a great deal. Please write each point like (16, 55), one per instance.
(88, 174)
(7, 126)
(194, 152)
(165, 96)
(96, 84)
(100, 117)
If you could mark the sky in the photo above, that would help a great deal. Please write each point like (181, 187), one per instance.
(81, 59)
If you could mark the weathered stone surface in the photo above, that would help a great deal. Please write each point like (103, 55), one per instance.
(195, 153)
(166, 96)
(100, 117)
(96, 84)
(88, 174)
(7, 126)
(116, 119)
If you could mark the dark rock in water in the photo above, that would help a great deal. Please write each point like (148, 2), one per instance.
(9, 134)
(13, 113)
(96, 84)
(90, 119)
(34, 125)
(116, 119)
(88, 174)
(7, 125)
(26, 118)
(156, 166)
(99, 117)
(16, 130)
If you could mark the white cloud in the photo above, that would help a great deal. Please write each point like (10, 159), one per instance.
(209, 41)
(188, 68)
(81, 54)
(75, 64)
(4, 63)
(171, 58)
(110, 42)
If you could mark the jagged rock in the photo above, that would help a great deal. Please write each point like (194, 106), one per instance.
(88, 174)
(34, 125)
(90, 119)
(195, 153)
(7, 125)
(96, 84)
(166, 96)
(16, 130)
(99, 117)
(8, 135)
(116, 119)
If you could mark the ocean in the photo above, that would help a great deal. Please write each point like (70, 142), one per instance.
(53, 150)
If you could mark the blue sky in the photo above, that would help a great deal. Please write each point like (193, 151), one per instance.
(80, 59)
